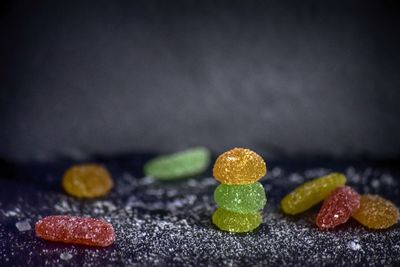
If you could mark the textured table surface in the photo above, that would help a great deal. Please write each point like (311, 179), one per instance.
(168, 223)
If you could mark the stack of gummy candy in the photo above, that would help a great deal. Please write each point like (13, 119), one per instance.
(240, 197)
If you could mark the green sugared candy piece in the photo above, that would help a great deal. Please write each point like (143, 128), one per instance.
(248, 198)
(236, 222)
(179, 165)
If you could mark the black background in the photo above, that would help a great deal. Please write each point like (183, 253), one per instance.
(287, 79)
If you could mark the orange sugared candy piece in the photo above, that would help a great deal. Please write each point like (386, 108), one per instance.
(375, 212)
(75, 230)
(87, 181)
(239, 166)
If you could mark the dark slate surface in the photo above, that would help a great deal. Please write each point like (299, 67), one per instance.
(168, 223)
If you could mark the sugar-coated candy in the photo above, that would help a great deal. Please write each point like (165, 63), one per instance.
(75, 230)
(87, 181)
(179, 165)
(239, 166)
(310, 193)
(236, 222)
(375, 212)
(338, 207)
(248, 198)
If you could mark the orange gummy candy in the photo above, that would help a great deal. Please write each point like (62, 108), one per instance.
(375, 212)
(239, 166)
(87, 181)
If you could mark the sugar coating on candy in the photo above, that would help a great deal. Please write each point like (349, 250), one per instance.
(179, 165)
(375, 212)
(235, 222)
(75, 230)
(241, 198)
(338, 207)
(310, 193)
(239, 166)
(87, 181)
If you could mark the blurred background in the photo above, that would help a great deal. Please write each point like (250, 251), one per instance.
(287, 79)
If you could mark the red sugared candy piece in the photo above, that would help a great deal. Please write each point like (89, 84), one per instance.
(338, 207)
(75, 230)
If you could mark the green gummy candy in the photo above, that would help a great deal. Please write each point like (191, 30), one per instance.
(179, 165)
(235, 222)
(248, 198)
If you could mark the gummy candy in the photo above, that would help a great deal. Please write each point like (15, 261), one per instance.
(338, 207)
(239, 166)
(87, 181)
(310, 193)
(236, 222)
(240, 198)
(179, 165)
(75, 230)
(375, 212)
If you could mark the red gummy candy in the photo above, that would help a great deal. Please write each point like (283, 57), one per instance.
(75, 230)
(338, 207)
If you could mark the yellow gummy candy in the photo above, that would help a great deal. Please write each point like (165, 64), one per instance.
(87, 181)
(239, 166)
(375, 212)
(236, 222)
(310, 193)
